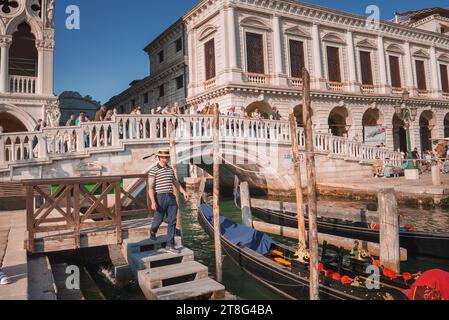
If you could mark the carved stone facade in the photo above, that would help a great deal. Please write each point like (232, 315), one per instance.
(26, 63)
(403, 56)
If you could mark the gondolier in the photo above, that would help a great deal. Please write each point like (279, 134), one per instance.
(162, 182)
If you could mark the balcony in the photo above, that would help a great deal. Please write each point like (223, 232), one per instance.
(446, 95)
(423, 93)
(367, 89)
(256, 78)
(397, 91)
(296, 82)
(335, 86)
(209, 84)
(22, 84)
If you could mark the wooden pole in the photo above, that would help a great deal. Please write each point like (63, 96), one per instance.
(216, 194)
(298, 183)
(173, 162)
(389, 230)
(245, 204)
(312, 191)
(436, 177)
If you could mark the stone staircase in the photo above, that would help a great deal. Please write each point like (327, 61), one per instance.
(169, 276)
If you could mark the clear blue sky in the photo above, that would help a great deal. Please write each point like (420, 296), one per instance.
(106, 54)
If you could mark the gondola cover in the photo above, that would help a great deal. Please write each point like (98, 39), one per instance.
(239, 234)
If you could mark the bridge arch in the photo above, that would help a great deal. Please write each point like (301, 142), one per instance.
(340, 121)
(13, 119)
(372, 120)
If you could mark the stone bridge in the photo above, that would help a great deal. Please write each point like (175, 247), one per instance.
(256, 151)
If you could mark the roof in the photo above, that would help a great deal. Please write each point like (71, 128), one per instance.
(423, 13)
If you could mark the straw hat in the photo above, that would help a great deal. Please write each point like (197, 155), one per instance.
(165, 153)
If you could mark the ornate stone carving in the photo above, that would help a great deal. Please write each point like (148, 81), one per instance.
(8, 6)
(50, 14)
(36, 7)
(5, 41)
(53, 113)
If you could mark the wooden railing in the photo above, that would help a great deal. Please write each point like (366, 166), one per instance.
(75, 204)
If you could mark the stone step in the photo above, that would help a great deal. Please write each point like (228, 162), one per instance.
(157, 277)
(130, 246)
(208, 288)
(158, 258)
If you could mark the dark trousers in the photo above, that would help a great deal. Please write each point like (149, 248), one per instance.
(166, 205)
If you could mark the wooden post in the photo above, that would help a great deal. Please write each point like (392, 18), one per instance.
(436, 178)
(118, 213)
(389, 230)
(298, 183)
(76, 215)
(30, 217)
(216, 194)
(173, 162)
(312, 191)
(245, 204)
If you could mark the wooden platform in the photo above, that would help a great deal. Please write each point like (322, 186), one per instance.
(164, 275)
(91, 237)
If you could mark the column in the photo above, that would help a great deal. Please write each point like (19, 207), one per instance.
(5, 43)
(351, 62)
(232, 39)
(382, 65)
(434, 73)
(410, 83)
(319, 82)
(277, 46)
(40, 69)
(191, 54)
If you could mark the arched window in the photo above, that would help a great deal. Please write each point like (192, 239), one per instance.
(23, 55)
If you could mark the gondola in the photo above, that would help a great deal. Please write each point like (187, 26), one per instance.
(274, 265)
(418, 244)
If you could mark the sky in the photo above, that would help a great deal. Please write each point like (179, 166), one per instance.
(106, 53)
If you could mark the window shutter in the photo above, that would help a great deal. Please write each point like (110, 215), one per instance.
(365, 64)
(333, 64)
(254, 52)
(395, 72)
(444, 78)
(296, 58)
(421, 75)
(209, 55)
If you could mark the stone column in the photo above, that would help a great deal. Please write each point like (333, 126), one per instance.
(231, 44)
(191, 54)
(434, 74)
(319, 81)
(46, 56)
(5, 44)
(384, 87)
(277, 54)
(40, 70)
(409, 80)
(351, 63)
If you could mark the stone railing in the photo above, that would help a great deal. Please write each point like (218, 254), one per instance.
(296, 82)
(368, 89)
(335, 86)
(445, 95)
(21, 84)
(256, 78)
(209, 84)
(397, 91)
(64, 143)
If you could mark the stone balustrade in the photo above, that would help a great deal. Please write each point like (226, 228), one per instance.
(22, 84)
(31, 148)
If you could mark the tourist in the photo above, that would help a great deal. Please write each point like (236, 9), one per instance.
(71, 121)
(232, 112)
(193, 110)
(109, 115)
(162, 182)
(100, 114)
(274, 114)
(40, 125)
(378, 168)
(176, 109)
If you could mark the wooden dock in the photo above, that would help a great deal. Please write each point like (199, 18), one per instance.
(169, 276)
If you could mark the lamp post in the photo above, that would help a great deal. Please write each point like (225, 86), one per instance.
(407, 115)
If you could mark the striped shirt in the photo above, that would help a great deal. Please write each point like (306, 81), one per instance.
(164, 178)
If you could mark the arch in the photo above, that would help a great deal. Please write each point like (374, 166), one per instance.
(373, 127)
(373, 117)
(23, 55)
(207, 31)
(24, 118)
(263, 107)
(427, 125)
(339, 121)
(395, 48)
(333, 37)
(399, 134)
(254, 22)
(298, 112)
(444, 57)
(32, 22)
(446, 126)
(10, 123)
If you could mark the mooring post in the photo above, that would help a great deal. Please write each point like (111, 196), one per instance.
(312, 189)
(298, 183)
(175, 167)
(389, 230)
(245, 204)
(216, 194)
(436, 177)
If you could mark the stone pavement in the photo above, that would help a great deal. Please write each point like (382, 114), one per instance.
(14, 262)
(422, 191)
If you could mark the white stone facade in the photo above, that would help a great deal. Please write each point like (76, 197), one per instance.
(26, 63)
(169, 71)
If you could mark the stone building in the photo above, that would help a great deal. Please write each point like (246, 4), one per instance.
(166, 82)
(26, 64)
(249, 53)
